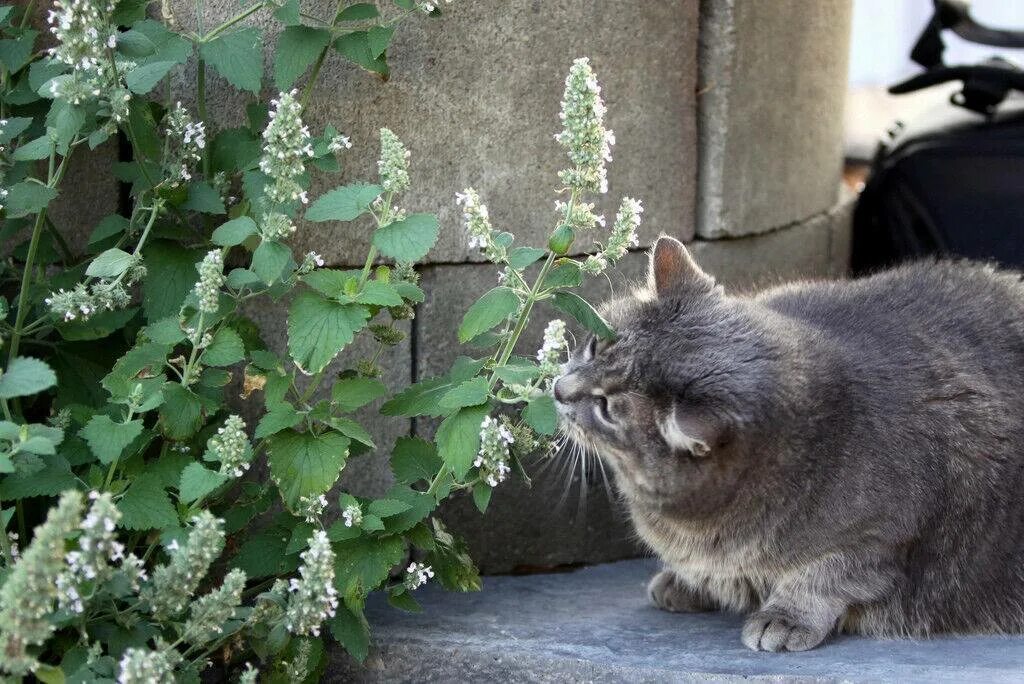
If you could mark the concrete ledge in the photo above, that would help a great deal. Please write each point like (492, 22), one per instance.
(595, 625)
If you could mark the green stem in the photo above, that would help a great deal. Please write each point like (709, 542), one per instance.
(232, 21)
(201, 106)
(186, 372)
(307, 91)
(62, 244)
(27, 14)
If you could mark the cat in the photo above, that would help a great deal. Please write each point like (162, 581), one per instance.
(820, 456)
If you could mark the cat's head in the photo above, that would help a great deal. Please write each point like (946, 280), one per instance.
(669, 402)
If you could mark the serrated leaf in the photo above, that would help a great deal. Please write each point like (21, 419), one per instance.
(467, 393)
(107, 438)
(281, 417)
(378, 38)
(541, 415)
(563, 274)
(26, 198)
(16, 125)
(353, 430)
(377, 293)
(110, 263)
(238, 57)
(202, 197)
(39, 148)
(407, 240)
(234, 232)
(166, 331)
(578, 308)
(343, 204)
(197, 482)
(517, 371)
(408, 291)
(108, 227)
(359, 11)
(303, 464)
(352, 632)
(225, 349)
(181, 414)
(414, 459)
(385, 508)
(352, 393)
(25, 376)
(171, 273)
(289, 13)
(270, 259)
(482, 496)
(135, 44)
(318, 329)
(263, 555)
(142, 79)
(145, 505)
(363, 563)
(521, 257)
(53, 478)
(356, 48)
(297, 48)
(170, 47)
(487, 312)
(423, 398)
(458, 438)
(16, 52)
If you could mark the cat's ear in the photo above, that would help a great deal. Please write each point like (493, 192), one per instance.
(673, 268)
(689, 430)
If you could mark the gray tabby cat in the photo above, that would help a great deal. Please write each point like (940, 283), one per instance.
(821, 456)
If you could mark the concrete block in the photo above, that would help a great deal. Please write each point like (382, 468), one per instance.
(88, 193)
(773, 79)
(475, 96)
(596, 625)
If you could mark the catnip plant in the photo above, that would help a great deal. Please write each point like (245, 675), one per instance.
(149, 530)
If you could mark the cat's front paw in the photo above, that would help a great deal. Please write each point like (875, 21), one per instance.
(668, 592)
(771, 630)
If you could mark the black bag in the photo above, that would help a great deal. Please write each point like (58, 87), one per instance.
(952, 182)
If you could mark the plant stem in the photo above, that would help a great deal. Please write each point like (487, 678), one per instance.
(307, 91)
(231, 22)
(201, 106)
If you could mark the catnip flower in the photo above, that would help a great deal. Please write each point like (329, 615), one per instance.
(143, 666)
(426, 6)
(98, 551)
(310, 263)
(339, 143)
(84, 34)
(211, 278)
(492, 458)
(416, 575)
(30, 590)
(174, 583)
(313, 597)
(249, 675)
(623, 236)
(276, 226)
(552, 350)
(353, 515)
(393, 166)
(82, 301)
(231, 447)
(312, 507)
(210, 612)
(584, 135)
(478, 224)
(579, 216)
(188, 140)
(286, 146)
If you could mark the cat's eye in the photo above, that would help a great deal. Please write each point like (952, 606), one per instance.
(603, 409)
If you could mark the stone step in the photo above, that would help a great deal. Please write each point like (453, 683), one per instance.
(595, 625)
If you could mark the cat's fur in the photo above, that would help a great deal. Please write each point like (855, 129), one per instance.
(821, 455)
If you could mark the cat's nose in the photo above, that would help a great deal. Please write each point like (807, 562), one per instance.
(566, 388)
(559, 390)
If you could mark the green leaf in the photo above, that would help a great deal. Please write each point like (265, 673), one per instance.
(353, 430)
(181, 414)
(26, 198)
(135, 44)
(197, 482)
(110, 264)
(408, 291)
(16, 52)
(352, 632)
(127, 12)
(270, 259)
(25, 376)
(166, 331)
(281, 417)
(359, 11)
(234, 232)
(482, 495)
(409, 239)
(263, 555)
(487, 312)
(423, 398)
(521, 257)
(468, 393)
(16, 125)
(304, 464)
(202, 197)
(517, 371)
(108, 227)
(402, 599)
(54, 478)
(385, 508)
(146, 506)
(289, 13)
(361, 564)
(578, 308)
(458, 438)
(49, 674)
(171, 275)
(564, 274)
(39, 148)
(352, 393)
(414, 459)
(170, 46)
(378, 38)
(107, 438)
(372, 523)
(235, 149)
(451, 562)
(343, 204)
(225, 349)
(356, 48)
(297, 48)
(318, 329)
(332, 283)
(377, 293)
(541, 415)
(238, 57)
(142, 79)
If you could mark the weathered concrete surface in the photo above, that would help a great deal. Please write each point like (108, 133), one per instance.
(475, 96)
(567, 517)
(596, 625)
(772, 83)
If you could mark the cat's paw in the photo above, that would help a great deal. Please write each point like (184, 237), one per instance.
(769, 630)
(668, 592)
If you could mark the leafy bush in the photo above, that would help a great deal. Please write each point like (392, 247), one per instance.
(159, 546)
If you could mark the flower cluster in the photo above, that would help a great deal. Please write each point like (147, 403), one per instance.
(428, 6)
(84, 33)
(338, 143)
(353, 515)
(230, 446)
(492, 458)
(416, 575)
(174, 583)
(188, 140)
(250, 675)
(98, 549)
(313, 598)
(210, 612)
(82, 301)
(27, 596)
(286, 146)
(276, 226)
(311, 262)
(211, 278)
(549, 356)
(312, 507)
(143, 666)
(393, 166)
(478, 224)
(584, 135)
(579, 215)
(623, 236)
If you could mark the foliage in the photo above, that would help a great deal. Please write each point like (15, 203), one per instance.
(158, 547)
